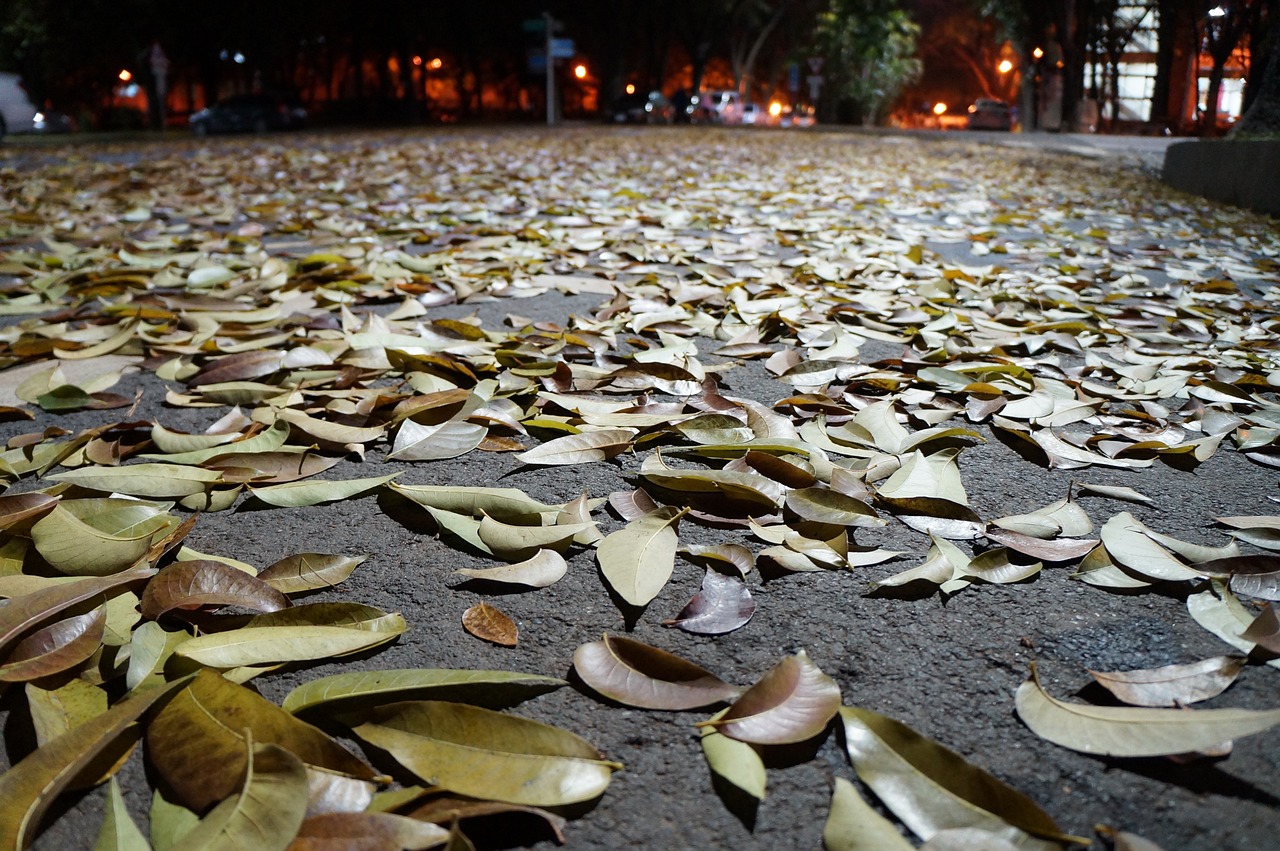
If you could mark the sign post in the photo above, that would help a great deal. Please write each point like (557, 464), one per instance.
(551, 69)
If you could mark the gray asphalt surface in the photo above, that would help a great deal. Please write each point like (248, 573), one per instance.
(947, 669)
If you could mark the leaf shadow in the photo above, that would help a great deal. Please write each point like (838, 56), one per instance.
(491, 588)
(797, 753)
(1200, 776)
(741, 805)
(630, 614)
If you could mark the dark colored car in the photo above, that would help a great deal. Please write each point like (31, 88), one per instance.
(249, 114)
(640, 108)
(990, 114)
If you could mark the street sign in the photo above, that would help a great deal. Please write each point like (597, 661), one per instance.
(539, 25)
(793, 76)
(815, 64)
(562, 48)
(537, 61)
(815, 85)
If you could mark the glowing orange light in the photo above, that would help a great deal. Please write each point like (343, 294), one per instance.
(1005, 66)
(436, 64)
(1038, 53)
(417, 60)
(939, 108)
(125, 76)
(580, 71)
(631, 89)
(775, 109)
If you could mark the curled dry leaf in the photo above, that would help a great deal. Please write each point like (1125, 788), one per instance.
(28, 610)
(723, 605)
(29, 788)
(57, 647)
(638, 559)
(303, 572)
(266, 810)
(332, 831)
(1172, 685)
(441, 808)
(1129, 544)
(852, 824)
(582, 448)
(1264, 632)
(823, 505)
(728, 558)
(340, 692)
(931, 788)
(198, 583)
(516, 543)
(18, 511)
(737, 763)
(793, 702)
(119, 833)
(632, 505)
(300, 494)
(637, 674)
(97, 537)
(197, 743)
(1252, 575)
(486, 754)
(1061, 549)
(491, 624)
(1130, 731)
(545, 568)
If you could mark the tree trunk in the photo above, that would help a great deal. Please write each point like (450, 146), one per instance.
(1263, 117)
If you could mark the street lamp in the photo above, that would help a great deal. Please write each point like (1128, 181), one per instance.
(1005, 66)
(580, 71)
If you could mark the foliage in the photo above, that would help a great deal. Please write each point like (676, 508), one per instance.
(870, 47)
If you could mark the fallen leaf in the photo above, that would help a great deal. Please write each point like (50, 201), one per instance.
(198, 744)
(582, 448)
(545, 568)
(738, 763)
(118, 832)
(486, 754)
(931, 788)
(1172, 685)
(304, 572)
(299, 494)
(852, 825)
(793, 702)
(637, 674)
(341, 831)
(1129, 731)
(340, 692)
(638, 560)
(194, 584)
(31, 786)
(265, 813)
(723, 605)
(490, 624)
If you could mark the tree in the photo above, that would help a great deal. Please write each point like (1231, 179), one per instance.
(1263, 115)
(870, 47)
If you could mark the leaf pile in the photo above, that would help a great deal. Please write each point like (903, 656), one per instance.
(293, 300)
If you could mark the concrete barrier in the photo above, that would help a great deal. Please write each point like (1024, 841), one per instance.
(1244, 172)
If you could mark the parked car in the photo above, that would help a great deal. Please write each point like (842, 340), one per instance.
(754, 113)
(52, 121)
(723, 107)
(990, 114)
(641, 108)
(255, 113)
(17, 112)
